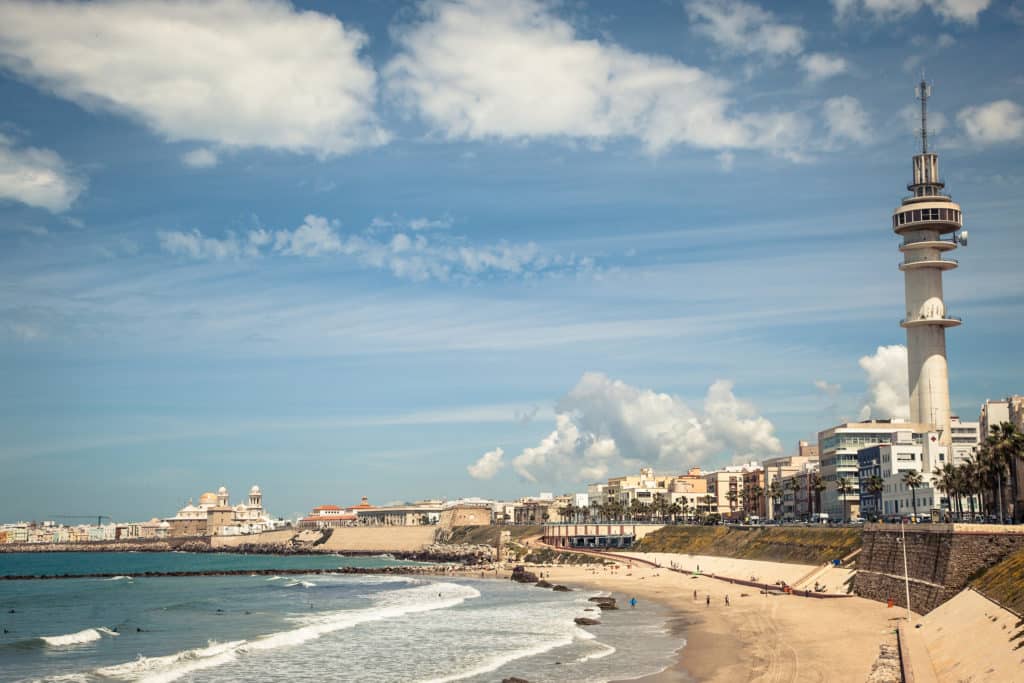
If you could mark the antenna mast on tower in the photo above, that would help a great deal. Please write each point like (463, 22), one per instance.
(923, 91)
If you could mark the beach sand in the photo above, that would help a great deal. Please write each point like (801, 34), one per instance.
(756, 637)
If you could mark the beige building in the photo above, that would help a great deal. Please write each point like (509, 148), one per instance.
(725, 489)
(215, 516)
(786, 467)
(466, 514)
(416, 514)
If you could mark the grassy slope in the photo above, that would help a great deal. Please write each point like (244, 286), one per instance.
(488, 535)
(1004, 582)
(801, 545)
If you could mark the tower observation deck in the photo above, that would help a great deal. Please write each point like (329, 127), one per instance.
(930, 223)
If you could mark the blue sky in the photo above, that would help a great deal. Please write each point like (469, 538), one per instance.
(433, 249)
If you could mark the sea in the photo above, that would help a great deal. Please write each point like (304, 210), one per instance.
(307, 627)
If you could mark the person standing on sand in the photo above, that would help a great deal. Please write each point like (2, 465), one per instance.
(726, 600)
(709, 600)
(632, 602)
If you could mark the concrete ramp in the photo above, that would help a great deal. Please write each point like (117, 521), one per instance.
(970, 638)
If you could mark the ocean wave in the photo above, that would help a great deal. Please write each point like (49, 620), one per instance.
(172, 667)
(600, 654)
(304, 584)
(498, 661)
(274, 578)
(120, 578)
(84, 636)
(388, 605)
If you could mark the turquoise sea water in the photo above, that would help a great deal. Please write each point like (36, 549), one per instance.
(305, 627)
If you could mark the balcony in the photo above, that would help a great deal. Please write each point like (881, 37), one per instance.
(928, 243)
(945, 321)
(940, 263)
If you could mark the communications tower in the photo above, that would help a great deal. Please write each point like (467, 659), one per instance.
(930, 224)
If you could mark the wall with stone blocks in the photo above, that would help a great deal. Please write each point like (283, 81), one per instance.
(941, 559)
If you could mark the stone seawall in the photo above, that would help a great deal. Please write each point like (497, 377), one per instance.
(941, 559)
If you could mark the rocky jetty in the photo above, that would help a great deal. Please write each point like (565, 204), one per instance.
(462, 553)
(561, 589)
(543, 584)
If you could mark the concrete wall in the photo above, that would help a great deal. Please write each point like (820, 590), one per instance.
(941, 558)
(465, 516)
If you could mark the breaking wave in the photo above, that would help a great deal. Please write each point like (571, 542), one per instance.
(84, 636)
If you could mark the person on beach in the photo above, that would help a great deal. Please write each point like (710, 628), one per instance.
(695, 596)
(709, 600)
(632, 602)
(726, 600)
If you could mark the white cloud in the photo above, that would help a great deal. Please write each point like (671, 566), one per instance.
(201, 157)
(195, 245)
(910, 115)
(315, 237)
(604, 424)
(488, 465)
(999, 121)
(415, 258)
(846, 119)
(242, 73)
(745, 28)
(819, 66)
(726, 160)
(528, 75)
(963, 11)
(830, 390)
(888, 392)
(37, 177)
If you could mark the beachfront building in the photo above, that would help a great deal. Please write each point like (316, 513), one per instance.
(777, 470)
(425, 512)
(906, 455)
(544, 509)
(215, 516)
(798, 498)
(839, 446)
(327, 517)
(725, 492)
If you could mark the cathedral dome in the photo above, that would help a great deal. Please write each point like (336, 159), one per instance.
(255, 489)
(208, 498)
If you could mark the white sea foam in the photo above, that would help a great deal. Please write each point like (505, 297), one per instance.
(173, 667)
(495, 663)
(600, 654)
(119, 578)
(304, 584)
(84, 636)
(388, 606)
(274, 578)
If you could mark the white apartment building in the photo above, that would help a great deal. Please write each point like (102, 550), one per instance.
(903, 455)
(838, 448)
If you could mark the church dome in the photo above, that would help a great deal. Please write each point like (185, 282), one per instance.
(222, 490)
(208, 498)
(255, 489)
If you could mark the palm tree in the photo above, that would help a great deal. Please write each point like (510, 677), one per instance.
(795, 486)
(756, 491)
(912, 480)
(946, 481)
(844, 487)
(566, 512)
(775, 491)
(732, 495)
(815, 485)
(1007, 446)
(709, 500)
(875, 485)
(674, 510)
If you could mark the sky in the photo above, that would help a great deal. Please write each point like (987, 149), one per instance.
(449, 248)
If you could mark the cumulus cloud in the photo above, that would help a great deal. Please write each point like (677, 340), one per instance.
(827, 388)
(745, 28)
(963, 11)
(888, 392)
(603, 425)
(819, 66)
(528, 75)
(846, 119)
(201, 157)
(995, 122)
(37, 177)
(488, 465)
(415, 256)
(241, 73)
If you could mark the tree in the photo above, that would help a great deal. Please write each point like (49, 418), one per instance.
(815, 485)
(755, 497)
(674, 510)
(795, 486)
(1006, 445)
(946, 481)
(912, 480)
(875, 485)
(732, 495)
(775, 492)
(844, 487)
(566, 512)
(709, 500)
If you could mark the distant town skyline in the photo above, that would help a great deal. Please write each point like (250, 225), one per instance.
(464, 248)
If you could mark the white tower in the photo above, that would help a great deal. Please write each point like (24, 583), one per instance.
(923, 220)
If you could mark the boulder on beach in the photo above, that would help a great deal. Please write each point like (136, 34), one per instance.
(561, 589)
(587, 621)
(520, 575)
(604, 602)
(542, 584)
(514, 680)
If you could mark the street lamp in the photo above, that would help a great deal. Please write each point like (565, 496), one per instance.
(906, 574)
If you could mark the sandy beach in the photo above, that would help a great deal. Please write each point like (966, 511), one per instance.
(756, 637)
